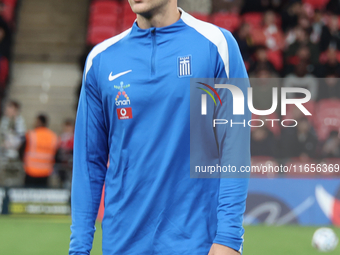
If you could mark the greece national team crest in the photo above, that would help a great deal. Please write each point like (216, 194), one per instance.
(184, 66)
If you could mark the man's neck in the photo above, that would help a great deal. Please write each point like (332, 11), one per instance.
(161, 18)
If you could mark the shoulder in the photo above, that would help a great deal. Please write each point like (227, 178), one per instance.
(101, 47)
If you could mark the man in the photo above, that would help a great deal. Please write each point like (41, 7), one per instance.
(38, 152)
(12, 130)
(134, 107)
(12, 133)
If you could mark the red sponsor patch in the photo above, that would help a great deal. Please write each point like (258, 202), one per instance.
(124, 113)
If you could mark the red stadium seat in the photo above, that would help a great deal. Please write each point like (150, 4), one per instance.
(128, 21)
(12, 3)
(98, 34)
(260, 164)
(126, 9)
(228, 21)
(327, 117)
(103, 14)
(128, 17)
(104, 7)
(4, 68)
(103, 20)
(8, 13)
(316, 4)
(275, 57)
(254, 19)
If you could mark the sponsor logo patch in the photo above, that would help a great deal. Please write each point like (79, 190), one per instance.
(124, 113)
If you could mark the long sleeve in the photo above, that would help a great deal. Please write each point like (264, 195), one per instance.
(234, 149)
(89, 165)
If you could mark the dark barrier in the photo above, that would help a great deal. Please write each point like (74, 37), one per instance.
(22, 201)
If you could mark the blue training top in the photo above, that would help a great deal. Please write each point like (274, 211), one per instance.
(134, 109)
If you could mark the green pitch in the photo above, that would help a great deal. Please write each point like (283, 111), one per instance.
(45, 235)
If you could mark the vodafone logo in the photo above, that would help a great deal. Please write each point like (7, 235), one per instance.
(124, 113)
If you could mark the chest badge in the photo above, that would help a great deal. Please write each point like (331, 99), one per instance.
(184, 66)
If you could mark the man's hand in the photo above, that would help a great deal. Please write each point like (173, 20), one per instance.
(218, 249)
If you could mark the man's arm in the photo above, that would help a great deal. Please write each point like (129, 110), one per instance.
(234, 148)
(89, 165)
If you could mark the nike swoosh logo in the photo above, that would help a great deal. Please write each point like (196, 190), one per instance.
(113, 77)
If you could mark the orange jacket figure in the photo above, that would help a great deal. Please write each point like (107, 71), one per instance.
(41, 147)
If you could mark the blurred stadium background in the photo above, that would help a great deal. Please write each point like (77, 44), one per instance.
(43, 47)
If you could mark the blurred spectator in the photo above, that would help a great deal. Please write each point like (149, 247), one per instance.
(299, 141)
(38, 153)
(261, 61)
(330, 36)
(303, 55)
(329, 87)
(304, 23)
(244, 41)
(262, 142)
(65, 154)
(331, 65)
(291, 15)
(316, 27)
(331, 148)
(301, 79)
(273, 34)
(300, 41)
(12, 130)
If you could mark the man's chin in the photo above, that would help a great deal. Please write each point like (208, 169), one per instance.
(140, 8)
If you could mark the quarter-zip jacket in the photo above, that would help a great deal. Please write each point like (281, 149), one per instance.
(134, 109)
